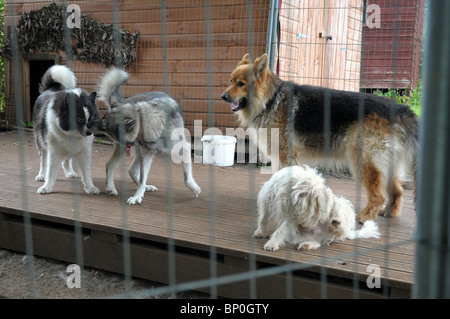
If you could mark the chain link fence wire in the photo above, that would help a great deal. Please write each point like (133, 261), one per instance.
(188, 49)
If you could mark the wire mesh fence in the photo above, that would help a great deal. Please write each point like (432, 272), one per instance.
(188, 49)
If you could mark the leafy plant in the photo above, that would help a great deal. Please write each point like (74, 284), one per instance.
(413, 100)
(27, 124)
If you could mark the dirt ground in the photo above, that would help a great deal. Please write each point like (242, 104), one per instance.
(47, 279)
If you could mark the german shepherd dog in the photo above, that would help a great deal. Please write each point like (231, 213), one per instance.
(146, 121)
(372, 135)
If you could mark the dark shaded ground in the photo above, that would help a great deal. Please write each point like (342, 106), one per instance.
(46, 278)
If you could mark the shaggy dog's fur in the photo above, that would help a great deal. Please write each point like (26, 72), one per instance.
(372, 135)
(308, 214)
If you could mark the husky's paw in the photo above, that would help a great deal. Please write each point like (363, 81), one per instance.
(150, 188)
(40, 178)
(44, 190)
(135, 200)
(92, 190)
(197, 190)
(111, 191)
(194, 188)
(259, 233)
(71, 175)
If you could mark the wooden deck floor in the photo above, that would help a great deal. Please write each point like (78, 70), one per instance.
(223, 217)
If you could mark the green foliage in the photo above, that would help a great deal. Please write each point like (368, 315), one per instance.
(413, 100)
(27, 124)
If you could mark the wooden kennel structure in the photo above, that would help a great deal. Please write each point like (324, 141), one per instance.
(391, 54)
(188, 49)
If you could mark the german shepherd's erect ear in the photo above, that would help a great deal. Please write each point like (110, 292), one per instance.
(260, 65)
(245, 60)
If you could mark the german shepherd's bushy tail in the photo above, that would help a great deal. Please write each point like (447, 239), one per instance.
(109, 86)
(58, 77)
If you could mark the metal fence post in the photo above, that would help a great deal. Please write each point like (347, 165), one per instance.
(272, 32)
(432, 279)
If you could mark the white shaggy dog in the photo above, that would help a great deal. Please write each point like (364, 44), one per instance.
(308, 214)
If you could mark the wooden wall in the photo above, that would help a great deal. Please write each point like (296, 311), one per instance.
(307, 57)
(188, 50)
(391, 55)
(185, 49)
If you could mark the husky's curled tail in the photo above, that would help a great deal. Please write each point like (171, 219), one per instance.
(58, 77)
(109, 86)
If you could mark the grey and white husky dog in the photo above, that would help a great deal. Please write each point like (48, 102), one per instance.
(145, 121)
(60, 116)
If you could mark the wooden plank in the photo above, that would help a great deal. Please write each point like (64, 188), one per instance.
(150, 262)
(223, 216)
(181, 78)
(148, 12)
(186, 54)
(26, 91)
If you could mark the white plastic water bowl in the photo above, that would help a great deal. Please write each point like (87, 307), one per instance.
(219, 150)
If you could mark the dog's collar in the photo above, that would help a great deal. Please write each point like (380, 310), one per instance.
(130, 144)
